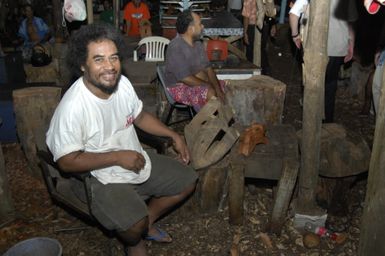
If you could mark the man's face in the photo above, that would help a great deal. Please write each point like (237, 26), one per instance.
(28, 12)
(197, 27)
(102, 69)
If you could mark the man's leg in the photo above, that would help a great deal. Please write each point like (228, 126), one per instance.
(331, 79)
(170, 183)
(368, 95)
(157, 207)
(133, 237)
(119, 207)
(250, 46)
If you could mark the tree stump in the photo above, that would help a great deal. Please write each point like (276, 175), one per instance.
(6, 205)
(34, 107)
(257, 99)
(341, 158)
(211, 190)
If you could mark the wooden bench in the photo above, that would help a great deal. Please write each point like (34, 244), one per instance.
(276, 160)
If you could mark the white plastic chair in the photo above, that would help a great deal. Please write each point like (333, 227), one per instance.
(155, 48)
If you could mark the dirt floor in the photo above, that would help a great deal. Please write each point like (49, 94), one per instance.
(198, 233)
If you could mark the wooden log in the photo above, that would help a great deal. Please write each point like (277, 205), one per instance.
(257, 99)
(373, 223)
(341, 155)
(236, 193)
(315, 59)
(34, 107)
(6, 205)
(210, 188)
(284, 193)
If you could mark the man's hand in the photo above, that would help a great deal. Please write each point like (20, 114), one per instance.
(273, 30)
(349, 56)
(131, 160)
(181, 147)
(297, 41)
(246, 38)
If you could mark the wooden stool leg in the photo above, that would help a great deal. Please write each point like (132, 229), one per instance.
(236, 193)
(284, 192)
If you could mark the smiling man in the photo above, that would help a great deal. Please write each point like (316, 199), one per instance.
(92, 129)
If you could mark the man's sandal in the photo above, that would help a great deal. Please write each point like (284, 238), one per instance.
(161, 237)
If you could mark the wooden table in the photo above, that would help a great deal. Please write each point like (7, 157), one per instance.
(236, 71)
(277, 160)
(224, 25)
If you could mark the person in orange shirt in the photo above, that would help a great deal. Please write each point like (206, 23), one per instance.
(137, 16)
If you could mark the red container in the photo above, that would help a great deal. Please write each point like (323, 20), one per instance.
(217, 50)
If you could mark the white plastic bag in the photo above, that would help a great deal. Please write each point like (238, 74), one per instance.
(74, 10)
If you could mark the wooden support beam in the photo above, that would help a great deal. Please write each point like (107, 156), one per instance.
(258, 35)
(315, 59)
(373, 223)
(115, 4)
(90, 12)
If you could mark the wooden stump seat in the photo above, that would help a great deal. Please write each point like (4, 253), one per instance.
(276, 160)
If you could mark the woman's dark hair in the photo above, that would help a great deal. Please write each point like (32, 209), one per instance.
(184, 20)
(81, 38)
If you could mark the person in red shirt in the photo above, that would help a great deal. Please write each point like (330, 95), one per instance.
(136, 16)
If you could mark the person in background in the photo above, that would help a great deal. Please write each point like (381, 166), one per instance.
(137, 18)
(235, 7)
(249, 13)
(107, 15)
(189, 76)
(93, 129)
(340, 45)
(33, 30)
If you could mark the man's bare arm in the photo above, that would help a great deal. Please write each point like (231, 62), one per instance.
(80, 161)
(152, 125)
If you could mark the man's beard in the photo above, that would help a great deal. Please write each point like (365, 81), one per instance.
(106, 89)
(197, 37)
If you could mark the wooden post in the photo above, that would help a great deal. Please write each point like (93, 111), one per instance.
(115, 6)
(315, 59)
(34, 107)
(90, 12)
(57, 18)
(6, 205)
(236, 192)
(373, 223)
(257, 35)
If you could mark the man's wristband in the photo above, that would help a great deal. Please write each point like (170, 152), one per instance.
(294, 36)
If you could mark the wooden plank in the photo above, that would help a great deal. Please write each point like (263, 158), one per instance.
(211, 134)
(315, 58)
(34, 107)
(373, 222)
(236, 193)
(212, 186)
(284, 193)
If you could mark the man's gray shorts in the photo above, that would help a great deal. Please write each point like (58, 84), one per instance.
(119, 206)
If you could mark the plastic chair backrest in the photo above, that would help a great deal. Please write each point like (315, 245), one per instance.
(160, 70)
(155, 47)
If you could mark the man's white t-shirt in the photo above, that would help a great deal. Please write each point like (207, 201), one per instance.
(338, 34)
(84, 122)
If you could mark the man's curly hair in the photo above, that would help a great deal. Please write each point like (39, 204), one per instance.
(80, 39)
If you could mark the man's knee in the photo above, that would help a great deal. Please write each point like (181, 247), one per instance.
(135, 233)
(188, 190)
